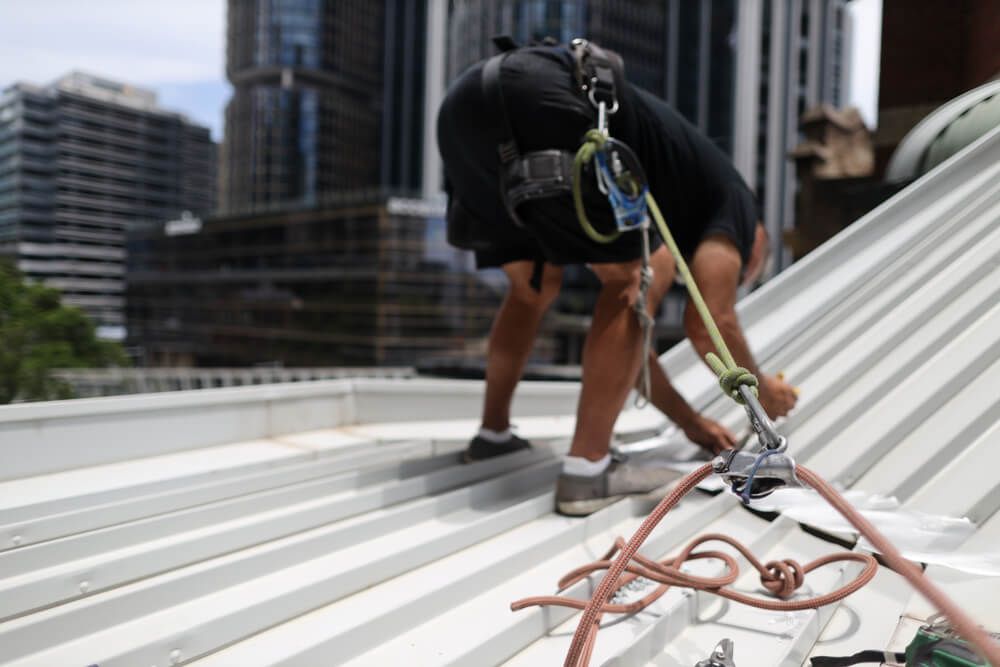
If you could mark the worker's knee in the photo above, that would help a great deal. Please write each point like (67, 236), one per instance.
(621, 280)
(538, 298)
(625, 279)
(662, 264)
(694, 326)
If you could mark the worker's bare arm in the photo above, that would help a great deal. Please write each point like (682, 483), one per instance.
(699, 429)
(716, 268)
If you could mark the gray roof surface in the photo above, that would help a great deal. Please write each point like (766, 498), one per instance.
(330, 522)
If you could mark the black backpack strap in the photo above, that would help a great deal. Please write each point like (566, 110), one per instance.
(493, 96)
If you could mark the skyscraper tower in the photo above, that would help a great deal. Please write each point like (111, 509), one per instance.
(304, 119)
(82, 161)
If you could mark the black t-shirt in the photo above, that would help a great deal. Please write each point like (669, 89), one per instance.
(693, 181)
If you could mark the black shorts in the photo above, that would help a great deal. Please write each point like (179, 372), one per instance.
(546, 112)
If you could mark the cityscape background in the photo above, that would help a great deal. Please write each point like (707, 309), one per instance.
(255, 183)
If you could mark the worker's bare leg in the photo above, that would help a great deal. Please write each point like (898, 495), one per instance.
(512, 336)
(612, 351)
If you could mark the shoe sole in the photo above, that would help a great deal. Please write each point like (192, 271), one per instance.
(468, 458)
(585, 507)
(588, 507)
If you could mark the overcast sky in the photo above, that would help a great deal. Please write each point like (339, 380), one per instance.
(866, 17)
(177, 48)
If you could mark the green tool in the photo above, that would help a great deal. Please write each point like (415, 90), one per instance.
(936, 645)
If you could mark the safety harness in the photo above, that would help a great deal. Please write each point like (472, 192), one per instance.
(542, 174)
(535, 175)
(550, 173)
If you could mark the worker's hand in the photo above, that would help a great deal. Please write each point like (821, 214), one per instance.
(710, 434)
(777, 397)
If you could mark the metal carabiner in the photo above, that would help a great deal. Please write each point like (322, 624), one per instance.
(722, 655)
(593, 100)
(602, 114)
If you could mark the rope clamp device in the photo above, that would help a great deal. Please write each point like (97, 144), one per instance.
(617, 166)
(722, 655)
(754, 475)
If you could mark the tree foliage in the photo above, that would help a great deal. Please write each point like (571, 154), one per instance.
(37, 334)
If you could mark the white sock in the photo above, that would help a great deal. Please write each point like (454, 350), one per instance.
(496, 437)
(581, 467)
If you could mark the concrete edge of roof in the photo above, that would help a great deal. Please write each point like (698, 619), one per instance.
(45, 437)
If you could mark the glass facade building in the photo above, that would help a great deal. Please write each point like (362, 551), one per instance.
(81, 161)
(303, 121)
(360, 283)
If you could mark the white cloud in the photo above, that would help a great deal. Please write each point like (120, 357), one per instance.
(145, 42)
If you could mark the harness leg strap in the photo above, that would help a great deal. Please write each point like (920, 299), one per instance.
(537, 273)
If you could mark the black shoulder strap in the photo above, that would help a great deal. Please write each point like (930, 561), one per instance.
(493, 96)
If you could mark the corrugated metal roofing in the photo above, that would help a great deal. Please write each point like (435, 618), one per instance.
(331, 523)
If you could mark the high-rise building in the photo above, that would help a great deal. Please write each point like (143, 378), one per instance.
(314, 258)
(360, 282)
(322, 90)
(932, 52)
(404, 79)
(82, 160)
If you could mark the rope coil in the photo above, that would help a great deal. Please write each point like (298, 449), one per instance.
(582, 645)
(781, 578)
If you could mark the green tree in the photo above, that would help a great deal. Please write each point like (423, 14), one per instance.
(37, 334)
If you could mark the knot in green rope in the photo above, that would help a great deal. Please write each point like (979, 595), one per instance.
(596, 138)
(733, 378)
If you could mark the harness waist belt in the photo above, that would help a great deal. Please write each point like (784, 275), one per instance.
(538, 174)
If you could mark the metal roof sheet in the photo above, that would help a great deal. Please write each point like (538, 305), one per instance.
(331, 523)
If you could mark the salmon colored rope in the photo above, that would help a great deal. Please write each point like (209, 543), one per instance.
(779, 577)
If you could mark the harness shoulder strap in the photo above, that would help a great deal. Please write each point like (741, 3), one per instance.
(493, 96)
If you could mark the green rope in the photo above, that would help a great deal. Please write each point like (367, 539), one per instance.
(731, 376)
(592, 142)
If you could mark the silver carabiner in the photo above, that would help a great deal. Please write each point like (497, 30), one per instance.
(593, 100)
(602, 115)
(722, 655)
